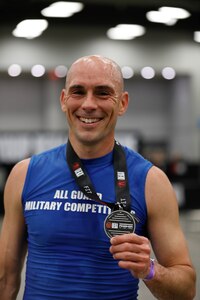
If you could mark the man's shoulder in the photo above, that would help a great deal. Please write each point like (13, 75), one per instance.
(134, 155)
(16, 178)
(50, 152)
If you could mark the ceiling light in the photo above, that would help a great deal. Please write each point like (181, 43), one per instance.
(30, 28)
(148, 72)
(38, 70)
(197, 36)
(62, 9)
(174, 12)
(60, 71)
(125, 31)
(160, 17)
(14, 70)
(168, 73)
(127, 72)
(167, 15)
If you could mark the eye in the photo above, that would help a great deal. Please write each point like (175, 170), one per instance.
(103, 92)
(77, 91)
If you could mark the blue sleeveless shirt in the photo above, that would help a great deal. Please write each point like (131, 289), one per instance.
(68, 250)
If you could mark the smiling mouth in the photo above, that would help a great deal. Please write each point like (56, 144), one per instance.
(89, 120)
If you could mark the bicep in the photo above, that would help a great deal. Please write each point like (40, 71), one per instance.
(166, 235)
(13, 233)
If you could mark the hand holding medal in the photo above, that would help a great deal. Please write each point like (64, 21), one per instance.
(133, 253)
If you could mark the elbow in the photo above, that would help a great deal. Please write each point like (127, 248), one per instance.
(191, 294)
(9, 288)
(192, 288)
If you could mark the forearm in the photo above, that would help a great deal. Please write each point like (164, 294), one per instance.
(172, 283)
(8, 294)
(9, 288)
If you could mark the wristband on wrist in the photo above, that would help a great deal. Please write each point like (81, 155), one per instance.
(152, 270)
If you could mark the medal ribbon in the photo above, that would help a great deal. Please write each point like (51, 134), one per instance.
(123, 200)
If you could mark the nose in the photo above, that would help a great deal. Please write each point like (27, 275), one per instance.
(89, 102)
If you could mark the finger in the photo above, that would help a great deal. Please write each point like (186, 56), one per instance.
(129, 238)
(128, 247)
(131, 247)
(132, 257)
(138, 270)
(127, 256)
(136, 267)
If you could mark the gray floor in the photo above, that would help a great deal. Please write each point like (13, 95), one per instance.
(190, 221)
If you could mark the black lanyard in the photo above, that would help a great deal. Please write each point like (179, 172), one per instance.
(123, 200)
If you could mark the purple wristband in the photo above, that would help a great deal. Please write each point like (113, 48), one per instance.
(151, 272)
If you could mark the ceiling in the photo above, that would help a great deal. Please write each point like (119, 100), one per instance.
(104, 13)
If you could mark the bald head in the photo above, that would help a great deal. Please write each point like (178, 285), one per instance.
(108, 68)
(92, 100)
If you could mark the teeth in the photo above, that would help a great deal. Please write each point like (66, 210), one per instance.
(89, 121)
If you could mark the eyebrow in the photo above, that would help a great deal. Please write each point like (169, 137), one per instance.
(76, 86)
(106, 88)
(98, 87)
(103, 87)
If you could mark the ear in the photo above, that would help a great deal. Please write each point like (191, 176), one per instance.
(63, 100)
(123, 103)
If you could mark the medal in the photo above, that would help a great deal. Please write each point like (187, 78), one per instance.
(119, 222)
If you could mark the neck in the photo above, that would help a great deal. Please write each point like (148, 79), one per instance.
(92, 150)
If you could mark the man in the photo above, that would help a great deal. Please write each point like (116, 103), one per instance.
(88, 210)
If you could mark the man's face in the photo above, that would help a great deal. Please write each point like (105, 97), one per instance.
(92, 101)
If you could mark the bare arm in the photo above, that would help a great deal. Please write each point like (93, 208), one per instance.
(174, 274)
(13, 234)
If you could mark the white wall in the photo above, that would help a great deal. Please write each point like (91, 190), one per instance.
(171, 112)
